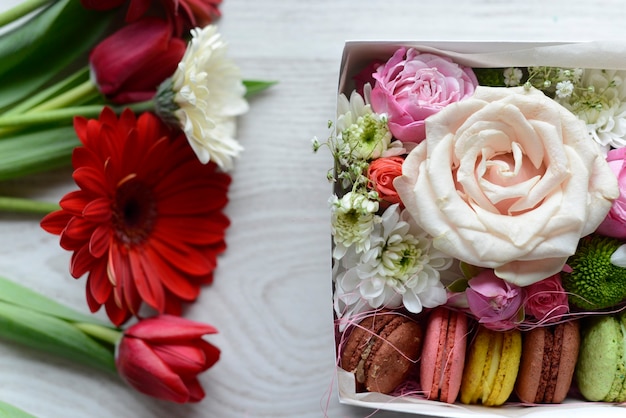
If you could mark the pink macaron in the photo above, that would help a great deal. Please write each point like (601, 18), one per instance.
(443, 354)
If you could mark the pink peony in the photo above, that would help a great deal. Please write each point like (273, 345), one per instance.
(381, 173)
(614, 225)
(547, 300)
(495, 303)
(412, 85)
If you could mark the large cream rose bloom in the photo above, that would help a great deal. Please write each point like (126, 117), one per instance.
(507, 179)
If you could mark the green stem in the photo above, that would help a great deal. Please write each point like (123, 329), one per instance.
(22, 9)
(78, 94)
(20, 205)
(102, 333)
(50, 92)
(66, 115)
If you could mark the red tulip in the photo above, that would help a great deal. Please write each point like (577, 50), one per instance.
(162, 357)
(101, 5)
(185, 13)
(129, 65)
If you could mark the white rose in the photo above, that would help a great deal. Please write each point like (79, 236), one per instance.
(507, 179)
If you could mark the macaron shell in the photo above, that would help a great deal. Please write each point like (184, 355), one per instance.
(567, 363)
(479, 356)
(600, 349)
(359, 340)
(531, 365)
(381, 351)
(432, 351)
(393, 356)
(508, 368)
(491, 367)
(455, 358)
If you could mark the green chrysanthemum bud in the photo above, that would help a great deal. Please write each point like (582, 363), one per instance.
(595, 283)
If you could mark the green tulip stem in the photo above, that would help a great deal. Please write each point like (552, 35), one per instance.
(21, 205)
(67, 114)
(50, 92)
(108, 335)
(25, 7)
(78, 94)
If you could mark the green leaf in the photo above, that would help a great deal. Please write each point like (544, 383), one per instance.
(22, 9)
(33, 53)
(459, 285)
(10, 411)
(16, 294)
(256, 86)
(36, 151)
(53, 335)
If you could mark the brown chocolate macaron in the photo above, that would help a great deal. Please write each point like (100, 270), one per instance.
(382, 351)
(549, 356)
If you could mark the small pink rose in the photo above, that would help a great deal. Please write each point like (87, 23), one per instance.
(366, 76)
(547, 300)
(412, 85)
(381, 173)
(614, 225)
(495, 303)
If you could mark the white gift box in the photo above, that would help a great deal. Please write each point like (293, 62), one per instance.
(356, 56)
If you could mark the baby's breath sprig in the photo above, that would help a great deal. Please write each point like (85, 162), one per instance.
(555, 82)
(349, 167)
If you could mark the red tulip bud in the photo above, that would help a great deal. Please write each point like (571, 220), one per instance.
(162, 357)
(129, 65)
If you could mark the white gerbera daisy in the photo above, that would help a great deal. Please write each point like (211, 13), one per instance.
(208, 94)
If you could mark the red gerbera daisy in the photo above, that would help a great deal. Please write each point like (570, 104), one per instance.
(146, 223)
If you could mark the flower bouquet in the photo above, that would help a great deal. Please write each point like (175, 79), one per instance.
(481, 182)
(141, 98)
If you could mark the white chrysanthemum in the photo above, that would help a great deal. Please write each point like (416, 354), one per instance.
(362, 133)
(401, 268)
(209, 92)
(352, 221)
(602, 106)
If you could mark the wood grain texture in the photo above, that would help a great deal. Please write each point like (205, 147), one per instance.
(271, 298)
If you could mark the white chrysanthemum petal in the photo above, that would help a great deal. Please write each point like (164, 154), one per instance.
(401, 268)
(210, 94)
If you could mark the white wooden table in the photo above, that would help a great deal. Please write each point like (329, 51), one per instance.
(271, 299)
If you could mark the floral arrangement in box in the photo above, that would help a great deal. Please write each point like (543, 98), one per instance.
(141, 99)
(492, 192)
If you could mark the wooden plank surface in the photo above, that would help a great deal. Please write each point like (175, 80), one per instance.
(271, 298)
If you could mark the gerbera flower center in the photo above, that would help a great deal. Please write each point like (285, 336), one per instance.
(134, 211)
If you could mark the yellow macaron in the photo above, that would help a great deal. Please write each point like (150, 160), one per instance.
(491, 367)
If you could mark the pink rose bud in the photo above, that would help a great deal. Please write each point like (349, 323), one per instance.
(546, 299)
(412, 85)
(162, 356)
(130, 64)
(381, 173)
(495, 303)
(614, 225)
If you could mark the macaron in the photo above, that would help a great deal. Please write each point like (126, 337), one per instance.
(491, 367)
(382, 351)
(601, 368)
(443, 354)
(549, 355)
